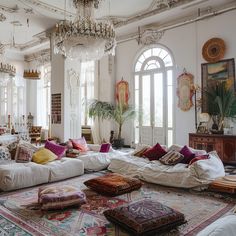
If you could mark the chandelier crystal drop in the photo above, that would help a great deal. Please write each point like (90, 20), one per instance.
(84, 38)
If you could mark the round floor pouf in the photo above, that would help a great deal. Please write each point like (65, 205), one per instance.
(60, 197)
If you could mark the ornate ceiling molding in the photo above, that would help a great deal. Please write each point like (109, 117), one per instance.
(2, 17)
(156, 7)
(9, 9)
(48, 7)
(42, 57)
(150, 37)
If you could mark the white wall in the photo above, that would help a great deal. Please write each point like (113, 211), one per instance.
(185, 43)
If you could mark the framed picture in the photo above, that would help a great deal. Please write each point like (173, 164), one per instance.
(212, 73)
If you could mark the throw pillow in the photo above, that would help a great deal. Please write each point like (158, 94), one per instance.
(80, 144)
(25, 151)
(198, 158)
(4, 153)
(12, 148)
(43, 156)
(60, 197)
(155, 152)
(140, 152)
(105, 147)
(188, 155)
(171, 158)
(113, 184)
(57, 149)
(145, 217)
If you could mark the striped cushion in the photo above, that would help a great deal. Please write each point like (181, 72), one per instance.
(60, 197)
(171, 158)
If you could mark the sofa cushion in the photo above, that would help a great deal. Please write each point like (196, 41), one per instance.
(57, 149)
(198, 158)
(65, 168)
(25, 151)
(145, 217)
(187, 153)
(171, 158)
(208, 169)
(80, 144)
(43, 156)
(113, 184)
(155, 152)
(20, 175)
(225, 226)
(60, 197)
(4, 153)
(12, 148)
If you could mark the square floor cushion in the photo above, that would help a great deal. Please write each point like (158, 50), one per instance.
(113, 184)
(145, 217)
(60, 197)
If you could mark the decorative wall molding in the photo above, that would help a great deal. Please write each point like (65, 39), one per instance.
(150, 37)
(9, 9)
(2, 17)
(41, 58)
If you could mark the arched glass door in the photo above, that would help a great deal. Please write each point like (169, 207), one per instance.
(154, 96)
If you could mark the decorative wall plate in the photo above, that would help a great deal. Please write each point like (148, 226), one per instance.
(185, 91)
(213, 50)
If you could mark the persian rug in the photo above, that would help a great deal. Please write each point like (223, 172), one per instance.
(20, 214)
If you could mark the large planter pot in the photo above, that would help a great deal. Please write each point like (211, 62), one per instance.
(118, 143)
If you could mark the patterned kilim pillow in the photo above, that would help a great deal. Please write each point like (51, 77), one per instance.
(145, 217)
(60, 197)
(171, 158)
(12, 148)
(113, 184)
(4, 153)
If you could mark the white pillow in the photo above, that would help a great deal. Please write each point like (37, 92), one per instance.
(225, 226)
(209, 169)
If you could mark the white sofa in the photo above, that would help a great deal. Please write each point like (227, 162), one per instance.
(200, 173)
(20, 175)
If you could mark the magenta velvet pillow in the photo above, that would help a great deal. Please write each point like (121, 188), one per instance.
(155, 152)
(55, 148)
(105, 147)
(188, 155)
(198, 158)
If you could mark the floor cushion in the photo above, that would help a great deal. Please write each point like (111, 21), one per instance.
(60, 197)
(113, 184)
(145, 217)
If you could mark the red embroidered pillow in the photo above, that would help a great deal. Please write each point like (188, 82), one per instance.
(203, 157)
(80, 144)
(188, 155)
(155, 152)
(105, 147)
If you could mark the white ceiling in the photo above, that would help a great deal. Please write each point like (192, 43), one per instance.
(44, 14)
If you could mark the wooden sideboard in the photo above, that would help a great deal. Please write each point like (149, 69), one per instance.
(225, 145)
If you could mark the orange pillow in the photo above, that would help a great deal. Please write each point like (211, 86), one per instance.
(80, 144)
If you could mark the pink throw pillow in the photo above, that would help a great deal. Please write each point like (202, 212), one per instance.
(198, 158)
(57, 149)
(105, 147)
(80, 144)
(188, 155)
(155, 153)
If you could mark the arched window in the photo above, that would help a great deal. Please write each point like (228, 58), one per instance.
(154, 96)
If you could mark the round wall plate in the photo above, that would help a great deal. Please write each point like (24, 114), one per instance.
(213, 50)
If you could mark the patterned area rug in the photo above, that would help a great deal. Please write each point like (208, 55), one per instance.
(19, 214)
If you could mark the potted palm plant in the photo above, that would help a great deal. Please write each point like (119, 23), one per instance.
(108, 111)
(221, 102)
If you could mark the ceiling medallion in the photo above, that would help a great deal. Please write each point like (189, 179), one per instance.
(213, 50)
(84, 38)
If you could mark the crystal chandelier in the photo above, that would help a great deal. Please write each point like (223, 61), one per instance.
(84, 38)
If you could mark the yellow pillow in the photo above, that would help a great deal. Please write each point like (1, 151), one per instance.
(43, 156)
